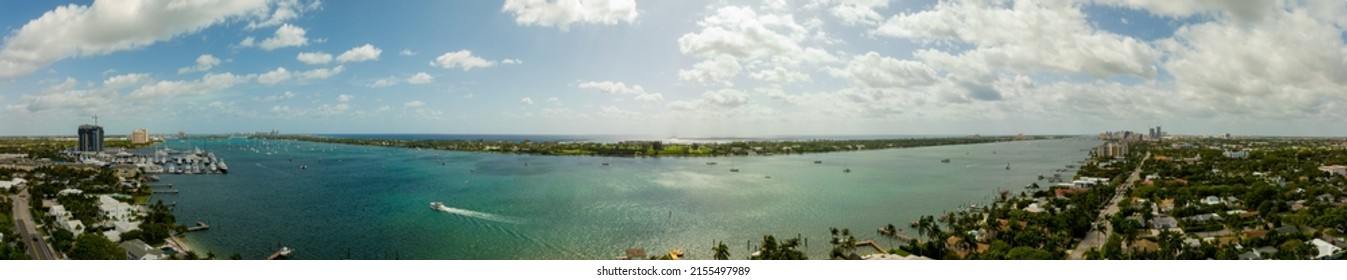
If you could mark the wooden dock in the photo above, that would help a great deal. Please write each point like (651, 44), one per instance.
(168, 191)
(200, 226)
(284, 252)
(871, 243)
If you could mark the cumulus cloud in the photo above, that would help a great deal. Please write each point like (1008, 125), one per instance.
(274, 76)
(314, 57)
(321, 73)
(361, 53)
(1025, 36)
(385, 82)
(1240, 10)
(209, 83)
(563, 13)
(413, 104)
(286, 36)
(283, 10)
(874, 70)
(717, 100)
(618, 88)
(420, 78)
(407, 52)
(527, 101)
(737, 38)
(461, 59)
(203, 63)
(106, 27)
(511, 61)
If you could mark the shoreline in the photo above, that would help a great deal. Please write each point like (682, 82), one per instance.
(180, 245)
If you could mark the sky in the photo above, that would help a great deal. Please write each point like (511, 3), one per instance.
(675, 68)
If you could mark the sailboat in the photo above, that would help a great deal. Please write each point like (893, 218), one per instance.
(1007, 166)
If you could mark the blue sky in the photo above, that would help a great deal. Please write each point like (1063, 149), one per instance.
(675, 68)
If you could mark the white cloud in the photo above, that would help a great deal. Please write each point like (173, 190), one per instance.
(248, 42)
(207, 84)
(876, 71)
(1024, 37)
(361, 53)
(563, 13)
(717, 100)
(420, 78)
(284, 10)
(286, 36)
(738, 38)
(345, 98)
(859, 12)
(385, 82)
(461, 59)
(321, 73)
(407, 52)
(511, 61)
(278, 97)
(106, 27)
(527, 101)
(413, 104)
(274, 76)
(618, 88)
(125, 80)
(203, 63)
(314, 57)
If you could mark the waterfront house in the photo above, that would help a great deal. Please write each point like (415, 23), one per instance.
(138, 250)
(1211, 200)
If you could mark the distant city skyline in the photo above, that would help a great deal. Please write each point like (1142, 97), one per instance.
(675, 68)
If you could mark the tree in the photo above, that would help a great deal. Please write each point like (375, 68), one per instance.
(1028, 253)
(786, 250)
(96, 247)
(722, 252)
(237, 256)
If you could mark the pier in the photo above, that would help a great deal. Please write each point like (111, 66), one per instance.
(170, 191)
(284, 252)
(871, 243)
(200, 226)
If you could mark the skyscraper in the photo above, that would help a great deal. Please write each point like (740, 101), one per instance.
(91, 138)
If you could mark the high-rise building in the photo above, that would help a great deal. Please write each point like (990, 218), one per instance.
(91, 138)
(140, 136)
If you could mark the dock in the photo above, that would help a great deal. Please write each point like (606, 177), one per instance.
(168, 191)
(871, 243)
(200, 226)
(284, 252)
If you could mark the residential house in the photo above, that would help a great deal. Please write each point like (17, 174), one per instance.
(1325, 249)
(138, 250)
(65, 220)
(1211, 200)
(1164, 222)
(1237, 154)
(1339, 170)
(11, 183)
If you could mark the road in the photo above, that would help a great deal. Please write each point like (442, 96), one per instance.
(1094, 238)
(23, 223)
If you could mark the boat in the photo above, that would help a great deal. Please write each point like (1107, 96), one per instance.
(818, 162)
(436, 205)
(223, 168)
(306, 166)
(848, 170)
(734, 169)
(605, 164)
(1007, 166)
(710, 163)
(944, 160)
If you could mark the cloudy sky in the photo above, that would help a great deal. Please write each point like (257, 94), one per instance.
(675, 68)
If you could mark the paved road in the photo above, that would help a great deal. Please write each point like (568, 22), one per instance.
(1095, 238)
(23, 221)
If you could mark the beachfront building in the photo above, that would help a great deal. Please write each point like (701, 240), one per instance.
(121, 217)
(66, 221)
(140, 136)
(138, 250)
(91, 138)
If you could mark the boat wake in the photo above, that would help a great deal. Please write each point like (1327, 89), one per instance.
(479, 215)
(971, 165)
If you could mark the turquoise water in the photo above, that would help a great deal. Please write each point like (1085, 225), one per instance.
(373, 203)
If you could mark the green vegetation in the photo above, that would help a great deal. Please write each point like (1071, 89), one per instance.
(657, 148)
(786, 250)
(96, 247)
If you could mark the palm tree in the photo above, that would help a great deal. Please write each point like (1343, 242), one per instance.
(722, 252)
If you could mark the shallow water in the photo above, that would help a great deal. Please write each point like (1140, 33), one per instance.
(373, 203)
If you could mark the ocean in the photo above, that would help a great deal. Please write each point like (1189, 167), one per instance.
(366, 202)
